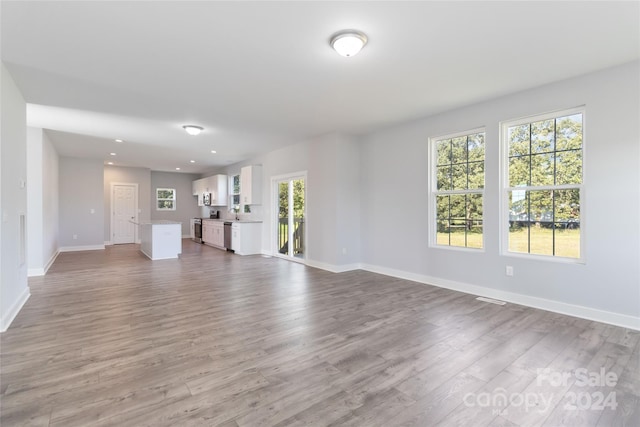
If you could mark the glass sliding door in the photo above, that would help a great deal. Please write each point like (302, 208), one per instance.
(290, 224)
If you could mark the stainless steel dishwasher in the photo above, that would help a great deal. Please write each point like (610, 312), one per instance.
(227, 235)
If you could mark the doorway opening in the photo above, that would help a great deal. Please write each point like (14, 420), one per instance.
(290, 194)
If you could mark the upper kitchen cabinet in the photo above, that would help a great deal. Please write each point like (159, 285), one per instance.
(196, 186)
(216, 185)
(251, 185)
(219, 190)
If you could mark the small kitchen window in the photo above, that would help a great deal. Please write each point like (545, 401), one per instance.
(165, 199)
(234, 194)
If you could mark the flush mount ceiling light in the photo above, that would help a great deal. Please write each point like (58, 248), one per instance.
(348, 42)
(193, 129)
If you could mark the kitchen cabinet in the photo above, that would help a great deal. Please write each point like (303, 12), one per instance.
(219, 189)
(251, 185)
(196, 187)
(160, 239)
(213, 233)
(217, 185)
(246, 238)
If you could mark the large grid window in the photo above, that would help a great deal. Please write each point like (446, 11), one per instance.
(458, 192)
(165, 199)
(544, 184)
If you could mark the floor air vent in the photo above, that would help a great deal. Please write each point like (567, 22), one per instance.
(492, 301)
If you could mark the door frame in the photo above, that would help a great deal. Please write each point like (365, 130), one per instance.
(112, 212)
(273, 229)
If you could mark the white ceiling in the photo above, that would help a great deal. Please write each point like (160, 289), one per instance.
(261, 75)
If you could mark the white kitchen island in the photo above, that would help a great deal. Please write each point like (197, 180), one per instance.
(161, 239)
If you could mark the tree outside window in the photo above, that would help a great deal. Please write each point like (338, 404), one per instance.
(458, 169)
(165, 199)
(544, 184)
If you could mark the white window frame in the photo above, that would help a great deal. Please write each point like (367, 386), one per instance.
(434, 192)
(504, 180)
(173, 199)
(231, 194)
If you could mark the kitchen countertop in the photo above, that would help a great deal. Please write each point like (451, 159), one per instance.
(156, 222)
(231, 220)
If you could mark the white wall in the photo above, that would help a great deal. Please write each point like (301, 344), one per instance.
(42, 201)
(332, 165)
(125, 175)
(34, 201)
(50, 201)
(81, 204)
(395, 202)
(14, 290)
(348, 203)
(333, 201)
(186, 203)
(287, 160)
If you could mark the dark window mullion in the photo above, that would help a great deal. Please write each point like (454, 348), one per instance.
(466, 201)
(466, 196)
(449, 219)
(553, 193)
(553, 223)
(450, 179)
(529, 195)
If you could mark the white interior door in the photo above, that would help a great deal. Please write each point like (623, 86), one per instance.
(124, 210)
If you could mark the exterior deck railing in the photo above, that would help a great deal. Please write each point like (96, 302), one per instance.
(298, 236)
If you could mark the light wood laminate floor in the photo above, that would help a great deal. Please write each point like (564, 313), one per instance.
(215, 339)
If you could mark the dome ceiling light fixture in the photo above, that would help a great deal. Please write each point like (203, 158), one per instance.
(348, 42)
(193, 129)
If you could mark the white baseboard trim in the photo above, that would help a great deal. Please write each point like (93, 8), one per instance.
(34, 272)
(108, 243)
(81, 248)
(7, 318)
(588, 313)
(333, 268)
(186, 236)
(51, 261)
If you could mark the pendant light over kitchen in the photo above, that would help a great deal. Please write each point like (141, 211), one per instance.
(348, 42)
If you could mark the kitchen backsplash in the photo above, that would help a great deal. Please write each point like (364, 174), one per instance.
(256, 212)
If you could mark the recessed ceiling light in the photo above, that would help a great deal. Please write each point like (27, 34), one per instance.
(348, 42)
(192, 161)
(177, 169)
(113, 154)
(119, 141)
(109, 163)
(193, 129)
(213, 151)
